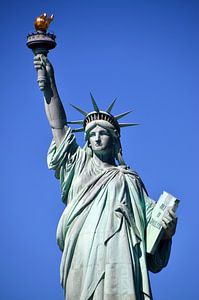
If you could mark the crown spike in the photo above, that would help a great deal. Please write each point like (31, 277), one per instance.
(95, 106)
(83, 112)
(75, 122)
(111, 106)
(122, 115)
(78, 129)
(127, 124)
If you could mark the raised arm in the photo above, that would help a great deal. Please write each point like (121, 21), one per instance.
(53, 105)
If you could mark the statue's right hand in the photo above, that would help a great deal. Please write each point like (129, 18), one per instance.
(44, 69)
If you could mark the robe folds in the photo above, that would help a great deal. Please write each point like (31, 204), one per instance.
(102, 231)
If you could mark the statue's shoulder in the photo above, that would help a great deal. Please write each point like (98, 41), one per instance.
(128, 170)
(135, 176)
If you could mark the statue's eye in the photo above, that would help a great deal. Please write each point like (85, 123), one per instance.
(92, 134)
(104, 133)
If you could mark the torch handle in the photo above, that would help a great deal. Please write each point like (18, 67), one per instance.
(41, 73)
(41, 78)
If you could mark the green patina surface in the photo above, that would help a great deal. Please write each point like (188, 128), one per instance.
(102, 231)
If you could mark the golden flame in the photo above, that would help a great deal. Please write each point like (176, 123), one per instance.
(42, 22)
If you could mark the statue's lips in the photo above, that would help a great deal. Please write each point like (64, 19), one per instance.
(99, 147)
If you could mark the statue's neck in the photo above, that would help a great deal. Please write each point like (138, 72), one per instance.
(106, 158)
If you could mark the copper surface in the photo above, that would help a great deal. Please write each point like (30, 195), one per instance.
(42, 22)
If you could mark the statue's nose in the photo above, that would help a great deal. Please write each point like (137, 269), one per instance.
(97, 138)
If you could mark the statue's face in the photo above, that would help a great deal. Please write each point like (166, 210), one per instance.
(100, 140)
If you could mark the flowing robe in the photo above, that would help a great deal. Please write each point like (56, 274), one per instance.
(102, 230)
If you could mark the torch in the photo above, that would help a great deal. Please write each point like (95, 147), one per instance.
(41, 42)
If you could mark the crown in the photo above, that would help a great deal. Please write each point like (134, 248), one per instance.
(98, 114)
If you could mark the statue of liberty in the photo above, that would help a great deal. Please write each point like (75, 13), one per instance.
(102, 231)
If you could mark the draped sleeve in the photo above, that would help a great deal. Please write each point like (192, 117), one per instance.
(64, 160)
(160, 258)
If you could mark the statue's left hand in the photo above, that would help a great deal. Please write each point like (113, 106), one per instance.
(169, 224)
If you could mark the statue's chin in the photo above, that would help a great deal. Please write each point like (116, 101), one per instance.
(104, 154)
(101, 150)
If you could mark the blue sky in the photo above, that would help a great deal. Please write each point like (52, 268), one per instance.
(146, 53)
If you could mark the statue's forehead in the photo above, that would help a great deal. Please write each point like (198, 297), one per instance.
(98, 128)
(101, 123)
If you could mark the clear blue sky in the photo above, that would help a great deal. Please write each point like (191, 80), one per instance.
(146, 53)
